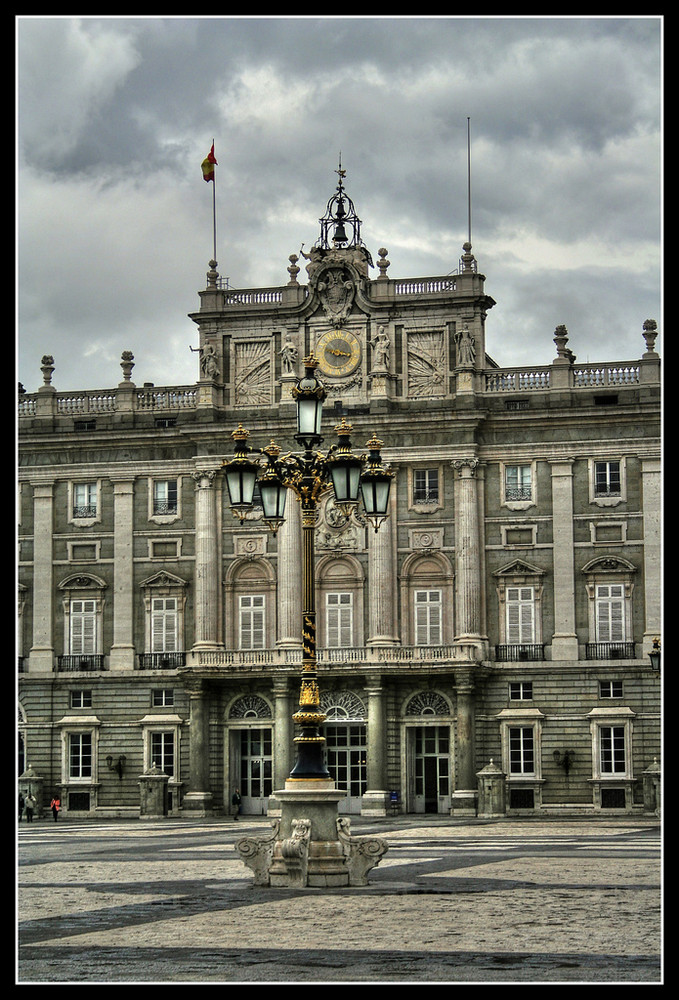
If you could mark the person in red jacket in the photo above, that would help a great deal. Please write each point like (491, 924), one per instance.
(55, 806)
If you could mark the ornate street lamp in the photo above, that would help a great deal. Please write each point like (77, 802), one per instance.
(308, 475)
(654, 656)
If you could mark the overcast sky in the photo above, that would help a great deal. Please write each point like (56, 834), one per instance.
(114, 220)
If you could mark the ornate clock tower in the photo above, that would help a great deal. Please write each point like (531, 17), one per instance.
(338, 324)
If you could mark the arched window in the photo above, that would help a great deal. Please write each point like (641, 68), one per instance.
(427, 600)
(250, 605)
(427, 703)
(339, 610)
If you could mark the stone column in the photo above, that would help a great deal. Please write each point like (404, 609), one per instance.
(651, 487)
(383, 581)
(465, 792)
(564, 640)
(206, 611)
(468, 558)
(122, 650)
(290, 576)
(198, 800)
(283, 732)
(376, 799)
(42, 652)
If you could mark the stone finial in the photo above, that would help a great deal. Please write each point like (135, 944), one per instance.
(561, 339)
(383, 263)
(127, 364)
(468, 260)
(293, 270)
(47, 367)
(650, 334)
(212, 274)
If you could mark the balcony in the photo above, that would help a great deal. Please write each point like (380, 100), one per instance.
(80, 662)
(513, 652)
(609, 651)
(161, 661)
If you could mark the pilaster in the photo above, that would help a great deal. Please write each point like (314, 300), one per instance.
(122, 650)
(564, 640)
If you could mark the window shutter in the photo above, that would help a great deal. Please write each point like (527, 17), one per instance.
(339, 619)
(83, 627)
(428, 617)
(252, 622)
(164, 625)
(520, 615)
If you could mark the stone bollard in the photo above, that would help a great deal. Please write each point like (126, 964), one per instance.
(153, 793)
(492, 793)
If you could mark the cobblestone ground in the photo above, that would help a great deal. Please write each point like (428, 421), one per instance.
(506, 901)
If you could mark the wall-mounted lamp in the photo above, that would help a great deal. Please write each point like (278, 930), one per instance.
(119, 765)
(564, 759)
(654, 655)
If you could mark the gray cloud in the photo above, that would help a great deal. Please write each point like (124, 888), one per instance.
(115, 223)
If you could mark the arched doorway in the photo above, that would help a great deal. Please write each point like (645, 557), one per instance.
(250, 761)
(346, 746)
(428, 753)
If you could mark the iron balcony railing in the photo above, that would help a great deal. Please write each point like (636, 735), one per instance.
(161, 661)
(80, 661)
(609, 651)
(511, 652)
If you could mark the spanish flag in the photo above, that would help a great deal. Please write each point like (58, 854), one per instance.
(208, 165)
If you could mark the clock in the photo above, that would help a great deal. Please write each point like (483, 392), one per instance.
(338, 352)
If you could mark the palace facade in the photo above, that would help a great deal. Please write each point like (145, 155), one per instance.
(496, 628)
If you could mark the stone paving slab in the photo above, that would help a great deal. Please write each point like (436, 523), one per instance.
(452, 901)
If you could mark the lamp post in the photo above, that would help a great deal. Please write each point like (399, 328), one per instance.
(309, 800)
(308, 474)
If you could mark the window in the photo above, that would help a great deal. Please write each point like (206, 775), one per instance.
(252, 622)
(161, 697)
(610, 689)
(162, 752)
(164, 630)
(165, 496)
(607, 480)
(520, 610)
(607, 486)
(81, 699)
(426, 486)
(518, 480)
(612, 749)
(339, 619)
(610, 612)
(521, 750)
(83, 636)
(84, 500)
(428, 618)
(80, 755)
(521, 690)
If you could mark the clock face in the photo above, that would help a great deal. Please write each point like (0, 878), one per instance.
(338, 352)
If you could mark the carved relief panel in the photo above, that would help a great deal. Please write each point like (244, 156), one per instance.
(426, 364)
(252, 373)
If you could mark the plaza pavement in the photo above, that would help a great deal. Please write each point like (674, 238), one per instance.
(534, 901)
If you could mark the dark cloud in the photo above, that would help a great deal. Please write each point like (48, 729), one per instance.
(114, 221)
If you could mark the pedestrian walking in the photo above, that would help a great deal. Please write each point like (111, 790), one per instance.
(21, 805)
(235, 802)
(30, 806)
(55, 806)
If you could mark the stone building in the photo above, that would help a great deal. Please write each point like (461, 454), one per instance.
(487, 650)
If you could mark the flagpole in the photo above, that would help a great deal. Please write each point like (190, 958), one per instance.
(469, 184)
(214, 212)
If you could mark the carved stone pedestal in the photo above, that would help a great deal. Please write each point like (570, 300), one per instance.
(310, 845)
